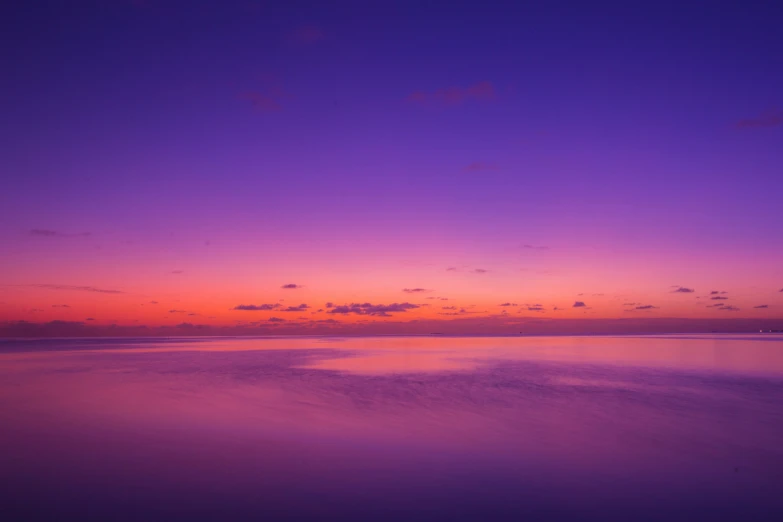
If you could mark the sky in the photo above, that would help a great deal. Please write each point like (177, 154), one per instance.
(390, 167)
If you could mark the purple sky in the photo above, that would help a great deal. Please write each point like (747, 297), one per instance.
(642, 145)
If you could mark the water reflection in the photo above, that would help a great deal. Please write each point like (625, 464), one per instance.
(430, 427)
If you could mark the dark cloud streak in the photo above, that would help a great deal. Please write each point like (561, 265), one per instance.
(78, 288)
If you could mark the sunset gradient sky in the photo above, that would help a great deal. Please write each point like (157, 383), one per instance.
(389, 167)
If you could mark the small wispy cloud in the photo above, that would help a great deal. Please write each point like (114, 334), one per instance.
(276, 320)
(416, 290)
(43, 232)
(578, 304)
(683, 290)
(453, 96)
(479, 271)
(291, 286)
(256, 308)
(454, 269)
(373, 309)
(299, 308)
(729, 308)
(761, 306)
(177, 311)
(718, 298)
(771, 118)
(535, 308)
(177, 271)
(507, 304)
(646, 307)
(262, 102)
(307, 35)
(535, 247)
(78, 288)
(60, 306)
(153, 302)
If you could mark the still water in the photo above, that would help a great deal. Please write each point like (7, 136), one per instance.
(393, 428)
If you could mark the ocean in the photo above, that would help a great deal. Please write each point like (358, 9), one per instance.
(675, 427)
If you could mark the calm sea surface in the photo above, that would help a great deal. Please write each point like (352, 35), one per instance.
(393, 428)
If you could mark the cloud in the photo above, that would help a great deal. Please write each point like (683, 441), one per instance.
(781, 290)
(60, 306)
(536, 308)
(771, 118)
(261, 102)
(415, 290)
(42, 232)
(729, 308)
(177, 311)
(291, 286)
(256, 308)
(306, 35)
(417, 97)
(45, 233)
(761, 306)
(630, 304)
(479, 167)
(276, 320)
(683, 290)
(535, 247)
(299, 308)
(508, 304)
(578, 304)
(329, 305)
(89, 319)
(646, 307)
(718, 298)
(479, 271)
(153, 302)
(454, 96)
(78, 288)
(461, 311)
(371, 309)
(177, 271)
(454, 269)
